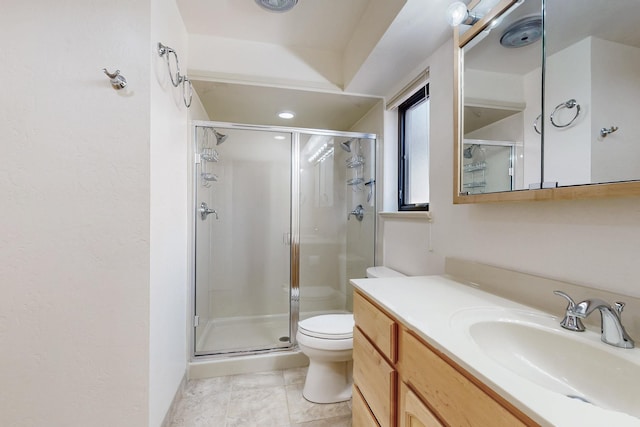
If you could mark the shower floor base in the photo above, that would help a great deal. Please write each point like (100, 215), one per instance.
(208, 367)
(245, 334)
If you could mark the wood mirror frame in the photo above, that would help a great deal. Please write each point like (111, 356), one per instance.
(587, 191)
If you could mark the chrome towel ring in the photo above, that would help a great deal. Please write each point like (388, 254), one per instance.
(535, 124)
(572, 103)
(187, 86)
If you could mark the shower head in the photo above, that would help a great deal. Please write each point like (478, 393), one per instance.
(346, 146)
(468, 152)
(522, 32)
(220, 138)
(277, 5)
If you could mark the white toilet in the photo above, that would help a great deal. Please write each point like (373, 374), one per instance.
(327, 340)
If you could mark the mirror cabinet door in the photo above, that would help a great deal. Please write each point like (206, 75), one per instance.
(501, 87)
(575, 140)
(592, 85)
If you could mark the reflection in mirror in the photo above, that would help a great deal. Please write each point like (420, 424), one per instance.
(592, 57)
(487, 166)
(502, 97)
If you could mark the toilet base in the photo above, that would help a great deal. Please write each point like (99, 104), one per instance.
(328, 382)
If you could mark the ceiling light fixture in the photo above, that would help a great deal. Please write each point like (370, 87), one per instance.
(286, 115)
(277, 5)
(457, 13)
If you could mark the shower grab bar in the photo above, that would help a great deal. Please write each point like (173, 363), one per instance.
(567, 104)
(166, 51)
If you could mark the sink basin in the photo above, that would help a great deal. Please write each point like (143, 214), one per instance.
(575, 364)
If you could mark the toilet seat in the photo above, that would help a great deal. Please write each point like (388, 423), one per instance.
(328, 326)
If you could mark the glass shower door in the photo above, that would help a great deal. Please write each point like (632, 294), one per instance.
(242, 232)
(337, 219)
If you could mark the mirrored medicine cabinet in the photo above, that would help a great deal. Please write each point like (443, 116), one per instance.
(546, 101)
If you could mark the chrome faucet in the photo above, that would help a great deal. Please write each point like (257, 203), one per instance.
(613, 332)
(358, 212)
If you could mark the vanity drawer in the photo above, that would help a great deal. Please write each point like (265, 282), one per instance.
(375, 379)
(362, 416)
(450, 393)
(377, 326)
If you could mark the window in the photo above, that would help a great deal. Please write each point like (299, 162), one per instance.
(413, 152)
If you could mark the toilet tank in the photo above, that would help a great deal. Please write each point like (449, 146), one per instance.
(380, 272)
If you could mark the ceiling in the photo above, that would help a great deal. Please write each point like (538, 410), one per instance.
(319, 24)
(567, 22)
(395, 37)
(237, 103)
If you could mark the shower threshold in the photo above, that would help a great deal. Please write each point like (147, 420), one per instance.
(239, 336)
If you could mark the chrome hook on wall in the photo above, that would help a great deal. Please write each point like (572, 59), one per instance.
(606, 131)
(117, 80)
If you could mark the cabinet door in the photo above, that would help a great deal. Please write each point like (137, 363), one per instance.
(454, 397)
(375, 379)
(414, 413)
(362, 416)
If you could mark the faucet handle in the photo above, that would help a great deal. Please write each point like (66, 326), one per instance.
(619, 306)
(570, 321)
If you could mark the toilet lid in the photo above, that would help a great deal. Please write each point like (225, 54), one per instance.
(328, 326)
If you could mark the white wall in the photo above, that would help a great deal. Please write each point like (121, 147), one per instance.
(602, 77)
(590, 242)
(169, 211)
(615, 89)
(244, 61)
(567, 151)
(95, 231)
(493, 88)
(74, 234)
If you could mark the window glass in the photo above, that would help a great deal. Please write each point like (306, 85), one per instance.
(413, 171)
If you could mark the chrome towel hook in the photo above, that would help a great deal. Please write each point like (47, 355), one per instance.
(117, 80)
(606, 131)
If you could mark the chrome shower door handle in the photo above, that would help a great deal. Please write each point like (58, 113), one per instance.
(205, 211)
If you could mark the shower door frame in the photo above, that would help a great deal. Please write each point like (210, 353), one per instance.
(294, 256)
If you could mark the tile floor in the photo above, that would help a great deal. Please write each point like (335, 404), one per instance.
(264, 399)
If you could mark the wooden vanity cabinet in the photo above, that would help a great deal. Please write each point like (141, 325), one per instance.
(400, 380)
(362, 415)
(453, 394)
(374, 356)
(414, 413)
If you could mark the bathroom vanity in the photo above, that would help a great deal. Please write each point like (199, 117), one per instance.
(435, 351)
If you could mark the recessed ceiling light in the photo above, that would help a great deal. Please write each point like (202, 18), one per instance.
(277, 5)
(279, 137)
(286, 115)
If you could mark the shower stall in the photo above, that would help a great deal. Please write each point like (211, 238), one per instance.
(283, 218)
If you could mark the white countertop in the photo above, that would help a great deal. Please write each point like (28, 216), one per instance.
(427, 304)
